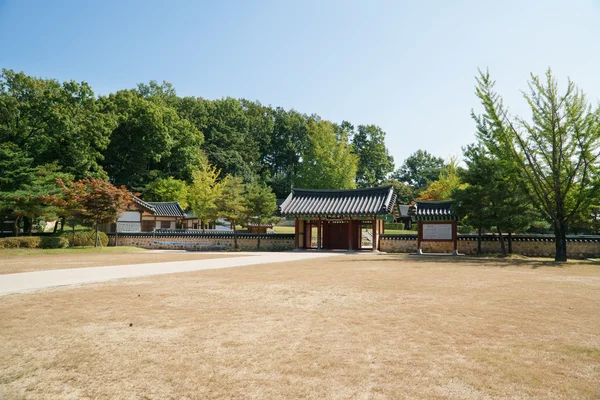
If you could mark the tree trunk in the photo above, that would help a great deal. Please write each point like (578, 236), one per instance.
(55, 227)
(62, 224)
(560, 235)
(97, 237)
(27, 225)
(73, 238)
(258, 242)
(235, 242)
(509, 242)
(16, 225)
(479, 241)
(501, 239)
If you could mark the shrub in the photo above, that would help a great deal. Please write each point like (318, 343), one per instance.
(86, 238)
(398, 226)
(10, 242)
(464, 229)
(53, 242)
(29, 242)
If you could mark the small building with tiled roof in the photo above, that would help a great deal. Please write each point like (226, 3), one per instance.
(147, 216)
(339, 216)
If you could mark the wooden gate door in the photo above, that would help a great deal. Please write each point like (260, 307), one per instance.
(335, 235)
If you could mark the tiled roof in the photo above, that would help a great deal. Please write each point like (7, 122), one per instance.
(167, 209)
(161, 208)
(433, 210)
(368, 201)
(141, 202)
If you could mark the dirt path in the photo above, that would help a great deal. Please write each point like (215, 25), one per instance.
(42, 262)
(31, 281)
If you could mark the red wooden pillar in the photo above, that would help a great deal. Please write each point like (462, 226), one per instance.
(319, 245)
(350, 234)
(455, 237)
(374, 228)
(296, 233)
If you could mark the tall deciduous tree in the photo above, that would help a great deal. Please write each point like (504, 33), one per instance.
(150, 141)
(204, 192)
(54, 123)
(419, 169)
(448, 181)
(374, 163)
(557, 152)
(169, 189)
(231, 203)
(289, 142)
(261, 203)
(97, 201)
(329, 161)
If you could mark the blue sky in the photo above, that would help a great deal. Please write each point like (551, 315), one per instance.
(408, 67)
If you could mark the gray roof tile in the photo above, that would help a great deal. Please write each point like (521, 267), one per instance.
(368, 201)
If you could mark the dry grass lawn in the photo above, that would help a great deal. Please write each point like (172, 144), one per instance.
(354, 326)
(28, 263)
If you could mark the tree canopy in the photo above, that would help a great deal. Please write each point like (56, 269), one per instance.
(329, 161)
(557, 153)
(419, 169)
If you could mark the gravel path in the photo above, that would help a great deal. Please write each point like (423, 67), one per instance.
(31, 281)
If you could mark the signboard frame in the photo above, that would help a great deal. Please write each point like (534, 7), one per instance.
(421, 239)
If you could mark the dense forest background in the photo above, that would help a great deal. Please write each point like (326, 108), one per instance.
(136, 136)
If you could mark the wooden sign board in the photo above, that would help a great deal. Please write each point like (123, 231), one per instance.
(437, 232)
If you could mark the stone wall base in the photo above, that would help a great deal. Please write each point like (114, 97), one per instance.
(202, 244)
(579, 250)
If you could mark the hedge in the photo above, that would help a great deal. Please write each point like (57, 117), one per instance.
(22, 241)
(395, 226)
(53, 242)
(85, 238)
(82, 238)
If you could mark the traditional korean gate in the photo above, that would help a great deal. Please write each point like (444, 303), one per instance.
(335, 235)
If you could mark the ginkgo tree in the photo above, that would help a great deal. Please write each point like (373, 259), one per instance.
(204, 192)
(447, 182)
(557, 152)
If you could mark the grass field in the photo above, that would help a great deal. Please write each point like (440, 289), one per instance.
(351, 326)
(28, 260)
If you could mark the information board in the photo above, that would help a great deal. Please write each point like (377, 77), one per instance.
(437, 231)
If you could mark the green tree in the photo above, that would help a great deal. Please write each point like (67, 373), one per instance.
(289, 142)
(23, 186)
(492, 197)
(419, 169)
(169, 189)
(557, 153)
(406, 194)
(96, 200)
(374, 161)
(261, 203)
(204, 192)
(448, 181)
(54, 123)
(329, 161)
(229, 144)
(231, 203)
(151, 141)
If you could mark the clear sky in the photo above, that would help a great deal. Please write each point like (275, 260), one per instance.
(407, 66)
